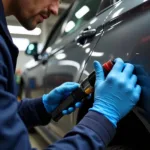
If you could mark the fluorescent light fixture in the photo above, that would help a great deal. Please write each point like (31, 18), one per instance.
(60, 56)
(70, 25)
(82, 12)
(21, 43)
(22, 30)
(97, 54)
(31, 63)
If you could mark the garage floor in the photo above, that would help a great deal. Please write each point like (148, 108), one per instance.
(37, 141)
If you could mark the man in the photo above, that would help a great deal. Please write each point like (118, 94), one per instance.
(114, 96)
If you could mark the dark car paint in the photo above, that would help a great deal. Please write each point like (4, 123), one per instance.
(127, 36)
(122, 31)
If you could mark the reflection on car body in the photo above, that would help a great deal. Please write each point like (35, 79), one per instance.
(122, 30)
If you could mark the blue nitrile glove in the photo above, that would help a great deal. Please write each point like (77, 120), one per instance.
(77, 105)
(116, 95)
(53, 99)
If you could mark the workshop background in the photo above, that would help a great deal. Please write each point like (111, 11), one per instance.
(89, 30)
(22, 37)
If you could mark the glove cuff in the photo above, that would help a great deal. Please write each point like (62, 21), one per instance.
(44, 100)
(101, 111)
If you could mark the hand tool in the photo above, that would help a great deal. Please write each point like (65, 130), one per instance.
(86, 87)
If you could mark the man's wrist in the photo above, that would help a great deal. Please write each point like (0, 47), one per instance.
(44, 116)
(104, 113)
(46, 106)
(100, 125)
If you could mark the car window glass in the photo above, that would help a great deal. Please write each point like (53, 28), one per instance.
(84, 11)
(78, 18)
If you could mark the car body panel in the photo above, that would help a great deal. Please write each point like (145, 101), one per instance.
(127, 36)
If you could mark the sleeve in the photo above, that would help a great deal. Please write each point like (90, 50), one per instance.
(94, 132)
(13, 133)
(33, 113)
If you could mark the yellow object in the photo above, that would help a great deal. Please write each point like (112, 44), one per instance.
(19, 99)
(89, 90)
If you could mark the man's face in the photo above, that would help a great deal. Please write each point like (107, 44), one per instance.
(32, 12)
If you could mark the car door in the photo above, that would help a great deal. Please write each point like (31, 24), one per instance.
(126, 35)
(71, 49)
(121, 28)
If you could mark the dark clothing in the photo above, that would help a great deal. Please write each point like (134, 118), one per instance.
(93, 132)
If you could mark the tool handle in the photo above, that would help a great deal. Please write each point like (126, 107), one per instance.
(70, 101)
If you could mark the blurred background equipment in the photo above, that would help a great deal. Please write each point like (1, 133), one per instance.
(18, 83)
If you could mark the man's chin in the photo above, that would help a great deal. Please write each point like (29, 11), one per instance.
(28, 25)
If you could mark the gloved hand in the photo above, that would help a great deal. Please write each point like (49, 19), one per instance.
(53, 99)
(116, 95)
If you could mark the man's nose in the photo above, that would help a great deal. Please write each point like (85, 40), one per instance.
(54, 7)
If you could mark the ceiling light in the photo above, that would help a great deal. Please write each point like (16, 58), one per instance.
(31, 63)
(21, 43)
(82, 12)
(70, 25)
(22, 30)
